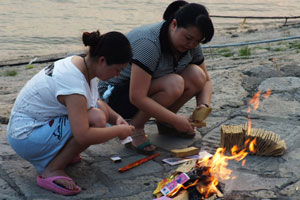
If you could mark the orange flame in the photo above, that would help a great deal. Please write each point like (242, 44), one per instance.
(267, 94)
(252, 145)
(212, 188)
(254, 101)
(249, 126)
(243, 164)
(182, 186)
(217, 167)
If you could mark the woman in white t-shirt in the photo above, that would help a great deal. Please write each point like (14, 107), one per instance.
(58, 114)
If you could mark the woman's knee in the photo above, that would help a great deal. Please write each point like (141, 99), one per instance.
(171, 85)
(167, 89)
(97, 117)
(174, 86)
(195, 78)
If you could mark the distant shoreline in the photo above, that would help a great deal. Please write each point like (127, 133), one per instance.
(246, 34)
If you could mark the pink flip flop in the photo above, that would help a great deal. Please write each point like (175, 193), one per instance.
(48, 184)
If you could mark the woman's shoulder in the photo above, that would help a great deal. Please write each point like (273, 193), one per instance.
(148, 31)
(65, 69)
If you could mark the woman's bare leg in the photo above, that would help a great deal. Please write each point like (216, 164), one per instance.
(72, 148)
(194, 83)
(164, 91)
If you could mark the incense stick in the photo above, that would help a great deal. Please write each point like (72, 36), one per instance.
(138, 162)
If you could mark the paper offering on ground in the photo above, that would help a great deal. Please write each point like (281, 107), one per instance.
(204, 154)
(187, 166)
(176, 161)
(179, 180)
(126, 140)
(116, 159)
(163, 198)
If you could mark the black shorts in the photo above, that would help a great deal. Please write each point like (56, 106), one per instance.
(119, 101)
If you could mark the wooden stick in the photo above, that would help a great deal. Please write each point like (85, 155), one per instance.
(138, 162)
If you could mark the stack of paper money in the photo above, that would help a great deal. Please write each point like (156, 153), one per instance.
(268, 143)
(199, 115)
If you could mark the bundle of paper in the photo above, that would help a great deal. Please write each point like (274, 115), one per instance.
(268, 143)
(182, 153)
(232, 135)
(199, 115)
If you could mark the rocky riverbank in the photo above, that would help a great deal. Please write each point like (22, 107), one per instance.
(237, 74)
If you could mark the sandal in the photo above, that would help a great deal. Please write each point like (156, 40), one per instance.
(166, 129)
(49, 184)
(140, 148)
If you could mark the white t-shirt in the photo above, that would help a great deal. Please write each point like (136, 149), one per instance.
(37, 102)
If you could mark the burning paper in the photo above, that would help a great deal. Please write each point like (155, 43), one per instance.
(259, 141)
(176, 161)
(176, 183)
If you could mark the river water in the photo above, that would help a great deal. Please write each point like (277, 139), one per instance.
(31, 28)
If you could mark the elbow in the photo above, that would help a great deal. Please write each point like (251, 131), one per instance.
(135, 99)
(82, 141)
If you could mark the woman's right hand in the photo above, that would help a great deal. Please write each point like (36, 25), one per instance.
(183, 124)
(125, 131)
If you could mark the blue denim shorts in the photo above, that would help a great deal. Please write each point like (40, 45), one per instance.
(43, 144)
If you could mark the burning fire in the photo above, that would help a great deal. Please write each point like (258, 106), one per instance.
(254, 103)
(215, 168)
(217, 165)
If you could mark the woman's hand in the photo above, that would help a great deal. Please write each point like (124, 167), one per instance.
(183, 124)
(125, 131)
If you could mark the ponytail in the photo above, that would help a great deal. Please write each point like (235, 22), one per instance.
(90, 39)
(113, 46)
